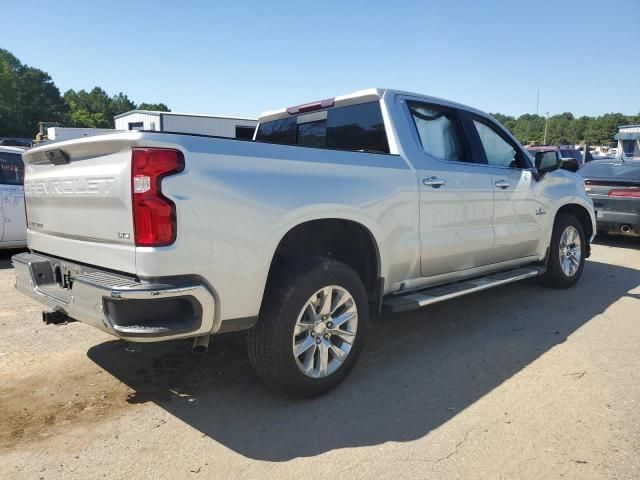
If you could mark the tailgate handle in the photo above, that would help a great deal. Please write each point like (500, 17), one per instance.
(57, 156)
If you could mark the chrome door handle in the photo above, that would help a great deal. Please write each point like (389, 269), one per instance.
(502, 184)
(434, 182)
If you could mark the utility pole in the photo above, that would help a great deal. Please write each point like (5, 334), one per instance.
(546, 124)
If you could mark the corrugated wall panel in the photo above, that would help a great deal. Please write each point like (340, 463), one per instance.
(149, 121)
(221, 127)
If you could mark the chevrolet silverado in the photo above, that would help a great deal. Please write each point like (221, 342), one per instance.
(377, 200)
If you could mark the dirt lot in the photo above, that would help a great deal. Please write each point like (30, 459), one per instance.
(518, 382)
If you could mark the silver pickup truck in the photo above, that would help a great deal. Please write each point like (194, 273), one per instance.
(377, 200)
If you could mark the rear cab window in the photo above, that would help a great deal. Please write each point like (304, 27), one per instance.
(356, 128)
(11, 169)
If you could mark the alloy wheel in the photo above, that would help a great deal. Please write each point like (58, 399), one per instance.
(325, 331)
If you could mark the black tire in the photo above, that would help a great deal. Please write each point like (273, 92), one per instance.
(555, 276)
(269, 342)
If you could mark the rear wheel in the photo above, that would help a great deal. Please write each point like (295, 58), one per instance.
(311, 328)
(566, 253)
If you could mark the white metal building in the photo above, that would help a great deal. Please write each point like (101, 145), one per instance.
(67, 133)
(186, 123)
(628, 137)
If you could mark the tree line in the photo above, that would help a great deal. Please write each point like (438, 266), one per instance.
(28, 96)
(565, 128)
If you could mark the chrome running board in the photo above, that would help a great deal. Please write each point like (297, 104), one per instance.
(420, 298)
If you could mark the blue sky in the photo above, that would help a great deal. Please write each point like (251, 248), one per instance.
(241, 58)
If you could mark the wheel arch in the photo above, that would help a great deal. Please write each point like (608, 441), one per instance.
(583, 216)
(345, 240)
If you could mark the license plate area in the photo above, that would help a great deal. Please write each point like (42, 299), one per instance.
(54, 272)
(51, 279)
(64, 275)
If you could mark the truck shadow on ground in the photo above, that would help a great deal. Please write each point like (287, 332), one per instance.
(418, 370)
(5, 257)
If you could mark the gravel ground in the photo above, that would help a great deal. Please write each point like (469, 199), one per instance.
(516, 382)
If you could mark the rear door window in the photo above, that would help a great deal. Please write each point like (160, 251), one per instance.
(354, 127)
(439, 131)
(11, 169)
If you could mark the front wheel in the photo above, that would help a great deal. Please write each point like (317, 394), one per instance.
(566, 253)
(311, 328)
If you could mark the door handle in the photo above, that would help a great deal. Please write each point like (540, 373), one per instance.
(502, 184)
(434, 182)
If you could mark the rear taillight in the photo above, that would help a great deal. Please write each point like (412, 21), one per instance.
(633, 192)
(154, 215)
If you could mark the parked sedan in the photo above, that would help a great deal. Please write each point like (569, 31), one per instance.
(614, 187)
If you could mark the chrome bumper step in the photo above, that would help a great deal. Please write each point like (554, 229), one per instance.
(118, 304)
(420, 298)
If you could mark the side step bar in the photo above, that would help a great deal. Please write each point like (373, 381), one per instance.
(420, 298)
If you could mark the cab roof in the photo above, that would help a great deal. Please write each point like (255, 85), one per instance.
(359, 96)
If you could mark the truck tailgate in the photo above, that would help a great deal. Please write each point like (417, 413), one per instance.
(79, 205)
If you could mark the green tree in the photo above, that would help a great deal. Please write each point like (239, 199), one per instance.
(565, 128)
(507, 121)
(158, 107)
(120, 103)
(529, 128)
(95, 109)
(27, 96)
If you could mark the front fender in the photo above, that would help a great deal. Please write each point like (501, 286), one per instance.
(562, 189)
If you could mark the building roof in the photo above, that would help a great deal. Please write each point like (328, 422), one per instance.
(157, 113)
(627, 136)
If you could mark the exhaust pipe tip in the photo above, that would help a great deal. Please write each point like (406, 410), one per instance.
(200, 345)
(625, 228)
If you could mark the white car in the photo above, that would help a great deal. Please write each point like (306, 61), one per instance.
(13, 227)
(376, 200)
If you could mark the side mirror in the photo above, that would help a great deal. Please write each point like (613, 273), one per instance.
(546, 162)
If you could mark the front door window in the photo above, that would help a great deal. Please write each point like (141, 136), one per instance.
(499, 152)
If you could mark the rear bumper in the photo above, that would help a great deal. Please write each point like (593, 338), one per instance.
(614, 221)
(117, 304)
